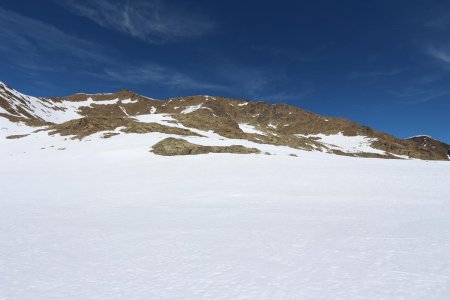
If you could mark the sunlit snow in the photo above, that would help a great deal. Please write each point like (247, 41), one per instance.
(128, 101)
(192, 108)
(107, 219)
(348, 144)
(247, 128)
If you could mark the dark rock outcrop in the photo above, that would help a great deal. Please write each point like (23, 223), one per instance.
(173, 146)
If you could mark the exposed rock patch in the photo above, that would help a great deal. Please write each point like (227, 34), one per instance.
(173, 146)
(16, 136)
(83, 127)
(108, 135)
(431, 144)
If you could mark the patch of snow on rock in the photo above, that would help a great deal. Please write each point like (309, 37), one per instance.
(163, 119)
(191, 109)
(250, 129)
(128, 101)
(124, 111)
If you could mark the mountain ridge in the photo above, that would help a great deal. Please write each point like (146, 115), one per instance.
(81, 115)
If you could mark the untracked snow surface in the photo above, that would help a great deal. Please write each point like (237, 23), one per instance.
(107, 219)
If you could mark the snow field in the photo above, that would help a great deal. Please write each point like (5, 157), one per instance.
(106, 219)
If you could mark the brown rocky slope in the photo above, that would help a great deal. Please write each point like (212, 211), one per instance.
(428, 142)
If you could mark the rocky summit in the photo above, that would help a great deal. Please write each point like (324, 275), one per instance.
(219, 124)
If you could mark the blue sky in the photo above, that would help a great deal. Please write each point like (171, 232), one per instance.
(385, 64)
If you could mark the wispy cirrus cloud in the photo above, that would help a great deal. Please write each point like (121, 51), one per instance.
(36, 48)
(30, 42)
(415, 95)
(152, 21)
(440, 53)
(439, 20)
(255, 82)
(42, 50)
(151, 72)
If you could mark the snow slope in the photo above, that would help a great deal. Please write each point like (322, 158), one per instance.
(107, 219)
(8, 128)
(347, 144)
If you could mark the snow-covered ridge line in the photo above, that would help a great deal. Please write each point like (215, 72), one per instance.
(89, 94)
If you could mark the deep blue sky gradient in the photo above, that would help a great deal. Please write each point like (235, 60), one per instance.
(385, 64)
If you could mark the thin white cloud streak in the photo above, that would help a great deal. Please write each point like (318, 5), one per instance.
(159, 74)
(36, 48)
(414, 95)
(152, 21)
(439, 21)
(439, 53)
(29, 38)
